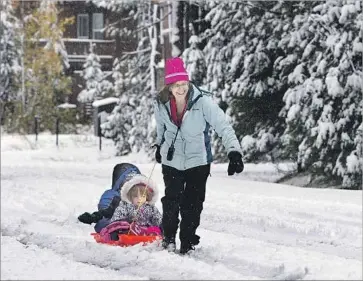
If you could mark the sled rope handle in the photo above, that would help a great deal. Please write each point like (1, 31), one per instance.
(144, 194)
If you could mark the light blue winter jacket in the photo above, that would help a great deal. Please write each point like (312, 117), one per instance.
(192, 144)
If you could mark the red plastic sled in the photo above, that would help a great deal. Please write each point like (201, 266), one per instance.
(126, 240)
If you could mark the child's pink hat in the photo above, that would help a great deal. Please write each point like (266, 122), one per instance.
(175, 71)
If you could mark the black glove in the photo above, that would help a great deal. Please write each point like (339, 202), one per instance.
(97, 216)
(157, 153)
(90, 218)
(235, 163)
(86, 218)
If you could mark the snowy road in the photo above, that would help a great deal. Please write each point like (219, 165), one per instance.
(249, 229)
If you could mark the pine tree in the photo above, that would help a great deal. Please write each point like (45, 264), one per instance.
(97, 87)
(9, 56)
(323, 107)
(244, 70)
(237, 72)
(194, 61)
(55, 34)
(45, 81)
(130, 123)
(259, 82)
(217, 52)
(119, 122)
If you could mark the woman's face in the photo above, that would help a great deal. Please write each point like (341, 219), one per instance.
(179, 89)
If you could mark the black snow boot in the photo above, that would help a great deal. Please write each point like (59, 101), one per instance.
(169, 244)
(186, 247)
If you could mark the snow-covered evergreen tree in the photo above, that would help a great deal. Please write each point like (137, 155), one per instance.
(97, 87)
(194, 61)
(242, 69)
(130, 123)
(229, 42)
(119, 124)
(215, 50)
(9, 53)
(217, 57)
(260, 84)
(117, 76)
(323, 106)
(288, 73)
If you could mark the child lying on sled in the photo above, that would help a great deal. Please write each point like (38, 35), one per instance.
(136, 212)
(110, 199)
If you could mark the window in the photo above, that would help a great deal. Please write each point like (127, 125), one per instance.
(97, 26)
(83, 26)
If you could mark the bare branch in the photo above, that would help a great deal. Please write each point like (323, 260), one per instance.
(153, 23)
(137, 52)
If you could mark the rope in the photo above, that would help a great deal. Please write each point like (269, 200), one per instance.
(143, 195)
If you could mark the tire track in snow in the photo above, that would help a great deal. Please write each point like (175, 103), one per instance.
(49, 265)
(207, 260)
(141, 261)
(237, 255)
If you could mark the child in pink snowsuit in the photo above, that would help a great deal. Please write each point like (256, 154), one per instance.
(136, 212)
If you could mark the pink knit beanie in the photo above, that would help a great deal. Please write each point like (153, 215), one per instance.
(175, 71)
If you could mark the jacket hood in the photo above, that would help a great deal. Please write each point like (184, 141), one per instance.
(140, 179)
(122, 173)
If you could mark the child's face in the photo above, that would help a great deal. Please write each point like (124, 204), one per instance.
(140, 197)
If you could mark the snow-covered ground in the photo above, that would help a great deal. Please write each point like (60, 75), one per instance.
(250, 228)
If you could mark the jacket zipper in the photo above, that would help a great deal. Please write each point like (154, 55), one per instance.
(189, 107)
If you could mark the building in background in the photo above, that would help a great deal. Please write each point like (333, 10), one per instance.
(89, 27)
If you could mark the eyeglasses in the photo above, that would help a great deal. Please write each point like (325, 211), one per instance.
(179, 86)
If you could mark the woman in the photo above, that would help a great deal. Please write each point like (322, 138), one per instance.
(183, 115)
